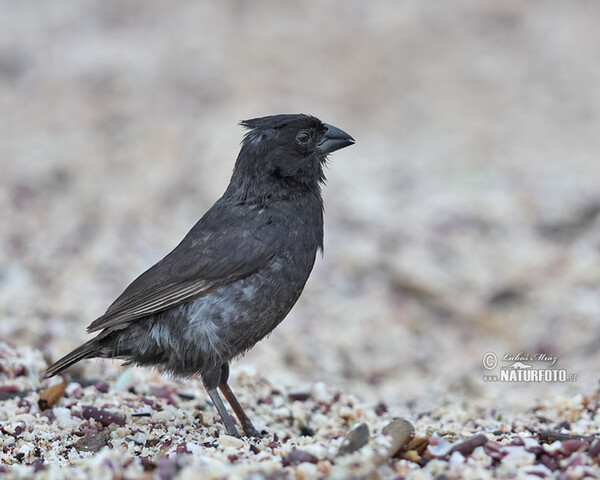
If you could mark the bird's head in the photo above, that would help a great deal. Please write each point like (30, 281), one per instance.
(286, 150)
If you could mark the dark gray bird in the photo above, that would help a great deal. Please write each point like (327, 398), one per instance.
(237, 273)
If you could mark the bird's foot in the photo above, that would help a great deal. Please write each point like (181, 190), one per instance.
(250, 431)
(232, 431)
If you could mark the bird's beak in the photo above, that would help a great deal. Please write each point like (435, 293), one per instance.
(334, 139)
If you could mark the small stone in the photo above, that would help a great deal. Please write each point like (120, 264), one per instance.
(355, 439)
(380, 409)
(297, 456)
(400, 430)
(51, 395)
(438, 446)
(418, 444)
(494, 450)
(307, 431)
(594, 450)
(103, 416)
(38, 465)
(92, 443)
(549, 462)
(124, 381)
(568, 447)
(299, 396)
(229, 441)
(8, 389)
(466, 448)
(411, 456)
(102, 387)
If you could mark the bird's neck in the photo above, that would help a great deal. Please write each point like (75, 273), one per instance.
(284, 190)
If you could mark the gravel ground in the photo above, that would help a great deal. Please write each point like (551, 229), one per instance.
(465, 221)
(136, 424)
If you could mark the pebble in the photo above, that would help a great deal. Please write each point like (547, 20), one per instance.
(355, 439)
(103, 416)
(440, 447)
(229, 441)
(51, 395)
(92, 443)
(297, 456)
(400, 430)
(172, 440)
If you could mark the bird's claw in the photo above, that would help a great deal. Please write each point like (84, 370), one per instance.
(251, 432)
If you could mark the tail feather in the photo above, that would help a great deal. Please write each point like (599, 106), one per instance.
(87, 350)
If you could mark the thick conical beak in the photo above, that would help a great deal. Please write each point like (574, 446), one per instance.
(334, 139)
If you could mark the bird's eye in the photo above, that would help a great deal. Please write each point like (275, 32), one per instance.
(303, 137)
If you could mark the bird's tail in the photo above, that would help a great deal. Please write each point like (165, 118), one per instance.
(87, 350)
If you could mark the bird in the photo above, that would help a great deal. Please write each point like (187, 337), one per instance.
(237, 273)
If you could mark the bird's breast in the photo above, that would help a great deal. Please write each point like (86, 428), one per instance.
(232, 319)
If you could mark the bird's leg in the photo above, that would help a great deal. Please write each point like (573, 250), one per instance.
(214, 396)
(249, 429)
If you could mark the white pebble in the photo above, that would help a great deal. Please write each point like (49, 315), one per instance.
(229, 441)
(518, 456)
(164, 416)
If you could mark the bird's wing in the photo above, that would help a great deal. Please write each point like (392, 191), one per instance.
(219, 250)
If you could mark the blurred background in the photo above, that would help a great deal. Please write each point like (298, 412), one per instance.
(466, 219)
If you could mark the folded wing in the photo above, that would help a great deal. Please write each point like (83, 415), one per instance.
(221, 248)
